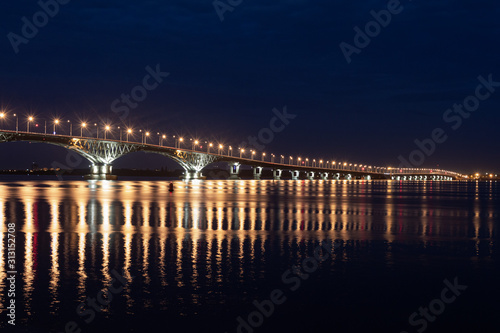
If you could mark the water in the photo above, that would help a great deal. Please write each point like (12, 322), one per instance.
(197, 259)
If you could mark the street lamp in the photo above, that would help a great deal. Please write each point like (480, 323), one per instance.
(272, 158)
(209, 146)
(82, 126)
(146, 138)
(70, 128)
(253, 154)
(106, 129)
(17, 122)
(241, 151)
(298, 161)
(30, 119)
(129, 131)
(282, 160)
(163, 137)
(230, 151)
(220, 148)
(263, 155)
(290, 160)
(56, 122)
(195, 143)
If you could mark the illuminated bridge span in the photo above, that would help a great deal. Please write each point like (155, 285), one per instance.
(101, 153)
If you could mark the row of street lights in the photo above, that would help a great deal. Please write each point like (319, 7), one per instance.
(195, 144)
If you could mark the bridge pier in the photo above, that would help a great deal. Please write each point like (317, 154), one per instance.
(295, 174)
(336, 176)
(324, 175)
(192, 175)
(367, 177)
(310, 175)
(277, 174)
(348, 176)
(234, 171)
(257, 172)
(100, 172)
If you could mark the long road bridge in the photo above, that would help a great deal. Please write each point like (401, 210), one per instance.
(102, 152)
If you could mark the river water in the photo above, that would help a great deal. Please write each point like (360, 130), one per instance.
(250, 256)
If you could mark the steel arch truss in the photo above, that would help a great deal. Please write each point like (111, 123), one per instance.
(192, 161)
(6, 137)
(101, 152)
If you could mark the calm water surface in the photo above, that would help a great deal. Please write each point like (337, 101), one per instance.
(197, 259)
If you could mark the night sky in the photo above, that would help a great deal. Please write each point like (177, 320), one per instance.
(226, 77)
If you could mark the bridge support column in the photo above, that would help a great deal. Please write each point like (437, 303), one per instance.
(277, 174)
(367, 177)
(234, 171)
(295, 174)
(337, 176)
(310, 175)
(324, 175)
(348, 176)
(257, 172)
(192, 174)
(100, 172)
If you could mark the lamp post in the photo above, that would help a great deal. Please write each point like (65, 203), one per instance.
(70, 128)
(253, 154)
(220, 149)
(146, 138)
(17, 122)
(56, 122)
(320, 163)
(290, 160)
(272, 158)
(163, 137)
(97, 130)
(282, 160)
(230, 151)
(210, 145)
(241, 151)
(263, 156)
(195, 143)
(82, 126)
(106, 129)
(30, 119)
(129, 131)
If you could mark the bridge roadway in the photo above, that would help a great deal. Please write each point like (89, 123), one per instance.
(102, 152)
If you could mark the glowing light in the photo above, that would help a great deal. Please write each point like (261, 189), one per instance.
(30, 118)
(147, 133)
(2, 115)
(84, 125)
(107, 128)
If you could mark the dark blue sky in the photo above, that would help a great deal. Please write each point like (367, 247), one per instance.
(227, 76)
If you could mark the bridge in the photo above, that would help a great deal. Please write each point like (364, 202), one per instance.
(102, 152)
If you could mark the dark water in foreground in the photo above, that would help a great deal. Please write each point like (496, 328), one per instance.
(199, 258)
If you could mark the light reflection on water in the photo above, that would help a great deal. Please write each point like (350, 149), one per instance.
(207, 234)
